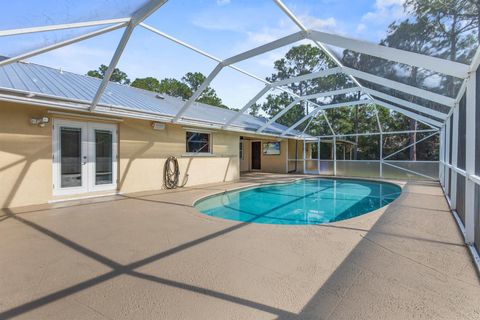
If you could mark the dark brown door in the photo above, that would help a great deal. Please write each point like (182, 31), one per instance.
(256, 155)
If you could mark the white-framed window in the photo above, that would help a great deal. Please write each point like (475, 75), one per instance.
(198, 142)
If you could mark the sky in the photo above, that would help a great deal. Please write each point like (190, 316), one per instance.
(221, 28)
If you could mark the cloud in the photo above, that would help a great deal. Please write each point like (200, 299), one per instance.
(285, 27)
(328, 25)
(361, 27)
(223, 2)
(78, 58)
(385, 11)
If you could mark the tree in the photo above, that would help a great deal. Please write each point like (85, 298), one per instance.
(454, 30)
(414, 36)
(194, 80)
(175, 88)
(148, 83)
(183, 88)
(300, 60)
(118, 76)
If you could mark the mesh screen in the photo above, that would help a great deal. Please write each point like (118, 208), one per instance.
(419, 77)
(405, 96)
(477, 216)
(43, 13)
(460, 202)
(450, 184)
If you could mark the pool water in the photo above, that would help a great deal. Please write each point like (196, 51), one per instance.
(306, 201)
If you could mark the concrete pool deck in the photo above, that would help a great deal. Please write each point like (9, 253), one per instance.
(153, 256)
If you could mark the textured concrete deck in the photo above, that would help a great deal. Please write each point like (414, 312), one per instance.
(153, 256)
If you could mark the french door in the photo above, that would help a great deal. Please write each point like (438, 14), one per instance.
(84, 157)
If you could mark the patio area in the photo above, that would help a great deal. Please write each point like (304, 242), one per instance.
(153, 256)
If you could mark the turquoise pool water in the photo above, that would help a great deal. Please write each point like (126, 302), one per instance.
(307, 201)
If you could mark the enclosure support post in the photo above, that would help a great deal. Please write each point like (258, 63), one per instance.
(334, 155)
(304, 154)
(454, 146)
(318, 155)
(448, 160)
(470, 159)
(381, 155)
(441, 171)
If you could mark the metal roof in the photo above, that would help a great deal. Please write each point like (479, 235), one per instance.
(33, 79)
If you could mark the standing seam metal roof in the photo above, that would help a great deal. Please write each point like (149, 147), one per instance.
(38, 79)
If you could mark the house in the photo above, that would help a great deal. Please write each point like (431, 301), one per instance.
(53, 147)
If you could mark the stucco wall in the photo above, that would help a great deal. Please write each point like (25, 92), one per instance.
(245, 162)
(143, 152)
(269, 163)
(26, 156)
(275, 163)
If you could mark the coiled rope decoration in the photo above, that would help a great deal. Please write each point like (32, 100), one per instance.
(171, 174)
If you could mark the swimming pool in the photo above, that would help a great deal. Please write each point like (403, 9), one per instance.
(306, 201)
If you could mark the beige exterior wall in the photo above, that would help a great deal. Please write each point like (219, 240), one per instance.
(269, 163)
(245, 162)
(276, 163)
(26, 156)
(143, 152)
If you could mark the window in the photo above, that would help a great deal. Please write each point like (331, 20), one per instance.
(241, 150)
(198, 142)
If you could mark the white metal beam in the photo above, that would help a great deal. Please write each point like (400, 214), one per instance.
(379, 133)
(237, 58)
(212, 57)
(407, 104)
(409, 146)
(448, 159)
(297, 36)
(324, 107)
(113, 64)
(61, 44)
(300, 98)
(330, 93)
(247, 106)
(295, 96)
(410, 114)
(308, 76)
(199, 91)
(278, 115)
(443, 66)
(470, 146)
(146, 10)
(415, 91)
(454, 146)
(141, 14)
(75, 25)
(441, 170)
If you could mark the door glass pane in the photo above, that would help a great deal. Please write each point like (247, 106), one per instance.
(71, 157)
(103, 157)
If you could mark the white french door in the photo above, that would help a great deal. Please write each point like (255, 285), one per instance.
(84, 157)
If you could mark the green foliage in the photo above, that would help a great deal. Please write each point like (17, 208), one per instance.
(193, 80)
(118, 76)
(175, 88)
(148, 83)
(183, 88)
